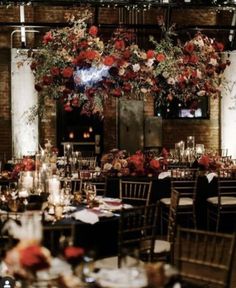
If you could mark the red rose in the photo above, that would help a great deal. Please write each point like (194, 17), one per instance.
(194, 74)
(181, 78)
(189, 47)
(219, 47)
(186, 59)
(47, 37)
(117, 92)
(67, 107)
(75, 102)
(67, 72)
(160, 57)
(108, 60)
(93, 30)
(154, 164)
(127, 54)
(47, 80)
(120, 44)
(55, 71)
(91, 54)
(83, 44)
(150, 54)
(164, 153)
(193, 59)
(127, 87)
(81, 56)
(204, 160)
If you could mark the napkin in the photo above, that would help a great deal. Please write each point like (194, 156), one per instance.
(210, 176)
(86, 216)
(163, 175)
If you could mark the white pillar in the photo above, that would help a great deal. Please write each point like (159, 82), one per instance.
(228, 107)
(23, 97)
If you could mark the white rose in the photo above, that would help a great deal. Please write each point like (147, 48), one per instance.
(136, 67)
(199, 74)
(201, 93)
(171, 81)
(144, 90)
(213, 62)
(165, 74)
(121, 71)
(107, 166)
(149, 62)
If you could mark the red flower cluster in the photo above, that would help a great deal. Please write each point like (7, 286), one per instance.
(26, 164)
(34, 258)
(188, 71)
(169, 71)
(73, 254)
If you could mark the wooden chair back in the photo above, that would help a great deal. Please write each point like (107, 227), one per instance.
(171, 230)
(135, 192)
(137, 229)
(205, 257)
(185, 182)
(101, 186)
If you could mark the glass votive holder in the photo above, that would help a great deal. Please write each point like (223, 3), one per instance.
(26, 180)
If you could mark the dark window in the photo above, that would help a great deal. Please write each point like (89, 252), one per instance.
(175, 109)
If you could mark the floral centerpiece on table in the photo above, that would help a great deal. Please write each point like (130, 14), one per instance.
(118, 163)
(26, 164)
(143, 164)
(115, 163)
(30, 263)
(212, 162)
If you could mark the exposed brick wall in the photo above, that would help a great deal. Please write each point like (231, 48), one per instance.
(205, 131)
(5, 111)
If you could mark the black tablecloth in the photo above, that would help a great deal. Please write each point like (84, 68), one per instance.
(101, 237)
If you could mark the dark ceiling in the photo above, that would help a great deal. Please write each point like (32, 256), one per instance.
(221, 29)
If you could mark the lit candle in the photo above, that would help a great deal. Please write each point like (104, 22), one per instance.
(54, 185)
(27, 181)
(23, 193)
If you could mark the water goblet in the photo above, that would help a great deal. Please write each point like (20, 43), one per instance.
(90, 192)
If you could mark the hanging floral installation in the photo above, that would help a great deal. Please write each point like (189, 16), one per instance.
(77, 68)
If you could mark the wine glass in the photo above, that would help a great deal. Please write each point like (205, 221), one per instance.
(90, 192)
